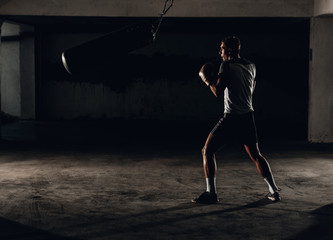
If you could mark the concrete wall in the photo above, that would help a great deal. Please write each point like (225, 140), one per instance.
(160, 100)
(152, 8)
(27, 71)
(321, 80)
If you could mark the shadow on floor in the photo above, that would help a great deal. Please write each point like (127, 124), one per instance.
(16, 231)
(321, 229)
(163, 217)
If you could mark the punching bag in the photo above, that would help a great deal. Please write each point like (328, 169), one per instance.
(108, 48)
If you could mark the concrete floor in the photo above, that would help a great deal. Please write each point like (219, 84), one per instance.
(58, 183)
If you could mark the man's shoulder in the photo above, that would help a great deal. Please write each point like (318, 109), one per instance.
(242, 61)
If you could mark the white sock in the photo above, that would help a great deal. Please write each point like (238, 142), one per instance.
(271, 184)
(211, 185)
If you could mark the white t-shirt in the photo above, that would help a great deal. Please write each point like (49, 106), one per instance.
(240, 76)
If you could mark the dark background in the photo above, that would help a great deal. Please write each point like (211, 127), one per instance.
(278, 46)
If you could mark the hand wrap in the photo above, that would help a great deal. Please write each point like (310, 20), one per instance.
(207, 74)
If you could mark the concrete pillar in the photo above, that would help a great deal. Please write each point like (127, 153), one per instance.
(10, 84)
(322, 7)
(321, 80)
(1, 60)
(18, 71)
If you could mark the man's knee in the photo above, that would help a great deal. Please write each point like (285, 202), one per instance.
(205, 151)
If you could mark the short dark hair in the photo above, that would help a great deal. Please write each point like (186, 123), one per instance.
(234, 43)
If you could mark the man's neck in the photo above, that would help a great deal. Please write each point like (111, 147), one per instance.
(233, 57)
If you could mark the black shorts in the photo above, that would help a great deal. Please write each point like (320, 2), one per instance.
(232, 128)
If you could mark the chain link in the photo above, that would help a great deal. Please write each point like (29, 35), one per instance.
(159, 21)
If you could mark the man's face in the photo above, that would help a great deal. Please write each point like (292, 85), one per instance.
(223, 52)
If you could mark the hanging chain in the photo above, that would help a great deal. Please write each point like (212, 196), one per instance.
(159, 21)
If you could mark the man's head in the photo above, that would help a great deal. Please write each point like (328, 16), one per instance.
(230, 47)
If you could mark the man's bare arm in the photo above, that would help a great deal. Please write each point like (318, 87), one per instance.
(218, 87)
(216, 83)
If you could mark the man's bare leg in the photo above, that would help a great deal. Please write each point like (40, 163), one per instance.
(209, 165)
(210, 169)
(264, 170)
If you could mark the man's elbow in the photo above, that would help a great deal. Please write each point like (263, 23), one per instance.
(218, 92)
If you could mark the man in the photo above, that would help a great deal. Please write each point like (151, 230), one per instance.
(236, 78)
